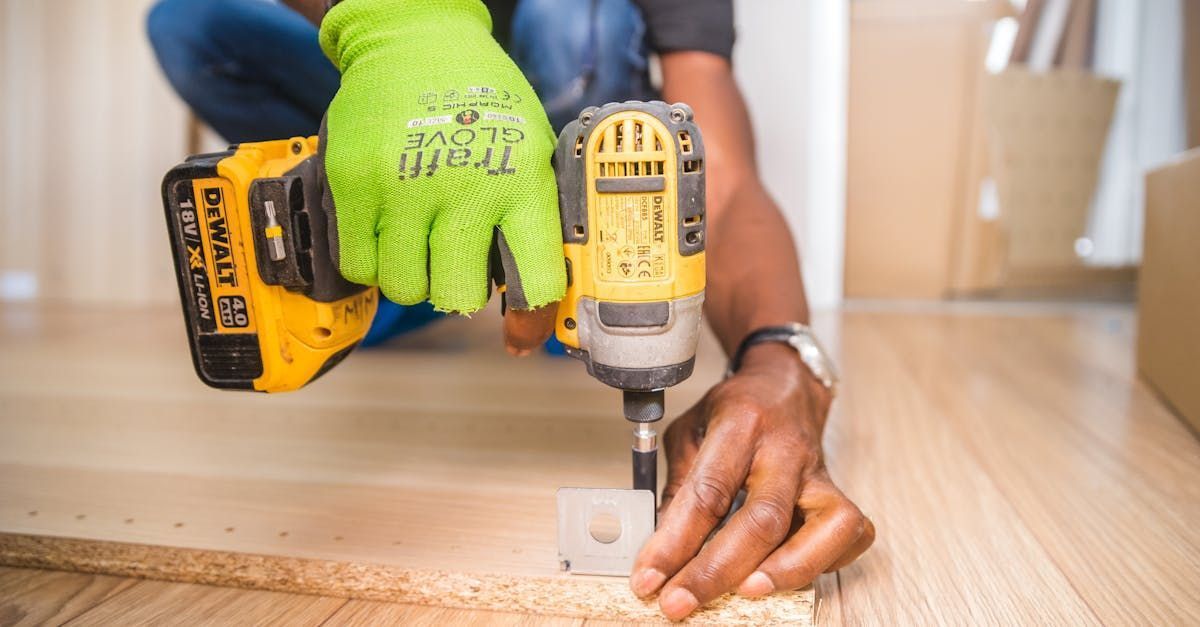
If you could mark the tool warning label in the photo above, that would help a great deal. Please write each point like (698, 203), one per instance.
(217, 256)
(632, 233)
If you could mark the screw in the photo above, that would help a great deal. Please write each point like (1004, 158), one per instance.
(569, 323)
(297, 147)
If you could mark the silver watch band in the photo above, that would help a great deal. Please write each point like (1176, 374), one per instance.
(801, 338)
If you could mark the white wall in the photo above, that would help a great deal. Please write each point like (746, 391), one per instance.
(791, 62)
(1140, 43)
(88, 126)
(87, 129)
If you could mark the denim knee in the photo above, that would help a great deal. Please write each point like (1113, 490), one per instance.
(180, 32)
(578, 53)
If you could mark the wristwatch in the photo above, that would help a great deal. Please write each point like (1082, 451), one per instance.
(800, 337)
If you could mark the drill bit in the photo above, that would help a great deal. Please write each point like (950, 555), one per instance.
(643, 409)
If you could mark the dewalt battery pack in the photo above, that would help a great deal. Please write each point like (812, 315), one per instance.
(264, 305)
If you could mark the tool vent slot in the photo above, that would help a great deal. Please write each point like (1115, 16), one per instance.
(685, 142)
(629, 150)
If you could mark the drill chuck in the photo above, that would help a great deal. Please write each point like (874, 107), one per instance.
(643, 406)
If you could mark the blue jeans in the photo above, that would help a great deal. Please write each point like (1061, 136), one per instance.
(253, 71)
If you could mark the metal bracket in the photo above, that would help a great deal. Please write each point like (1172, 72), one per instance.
(600, 530)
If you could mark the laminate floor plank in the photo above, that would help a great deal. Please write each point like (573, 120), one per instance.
(951, 548)
(1069, 443)
(44, 597)
(158, 603)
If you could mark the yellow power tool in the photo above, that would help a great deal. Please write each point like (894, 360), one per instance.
(631, 197)
(264, 304)
(266, 308)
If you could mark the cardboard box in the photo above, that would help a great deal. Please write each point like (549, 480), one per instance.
(1047, 132)
(1169, 291)
(914, 152)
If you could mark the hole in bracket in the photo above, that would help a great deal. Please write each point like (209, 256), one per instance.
(605, 528)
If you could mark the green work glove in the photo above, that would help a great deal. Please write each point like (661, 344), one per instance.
(434, 139)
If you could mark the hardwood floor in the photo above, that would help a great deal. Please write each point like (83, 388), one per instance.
(1016, 469)
(38, 597)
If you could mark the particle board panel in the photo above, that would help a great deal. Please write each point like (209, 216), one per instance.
(42, 597)
(371, 613)
(420, 473)
(1015, 469)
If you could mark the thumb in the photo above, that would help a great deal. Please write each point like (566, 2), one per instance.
(526, 329)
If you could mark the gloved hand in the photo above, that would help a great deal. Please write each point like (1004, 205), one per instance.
(434, 139)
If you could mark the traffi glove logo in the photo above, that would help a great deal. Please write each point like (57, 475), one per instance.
(434, 145)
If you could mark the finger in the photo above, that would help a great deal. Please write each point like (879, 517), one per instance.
(532, 250)
(751, 534)
(859, 547)
(681, 444)
(403, 260)
(526, 329)
(832, 526)
(719, 469)
(459, 247)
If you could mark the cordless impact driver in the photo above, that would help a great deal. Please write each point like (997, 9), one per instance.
(266, 309)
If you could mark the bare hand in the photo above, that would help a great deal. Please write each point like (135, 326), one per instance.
(762, 429)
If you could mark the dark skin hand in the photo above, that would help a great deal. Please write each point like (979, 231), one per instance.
(759, 430)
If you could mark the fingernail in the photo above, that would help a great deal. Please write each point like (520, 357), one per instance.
(678, 603)
(517, 352)
(645, 582)
(756, 585)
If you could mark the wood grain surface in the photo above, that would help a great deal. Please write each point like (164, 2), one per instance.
(421, 473)
(31, 597)
(1016, 470)
(35, 597)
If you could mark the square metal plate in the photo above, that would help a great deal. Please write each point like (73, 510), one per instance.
(601, 530)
